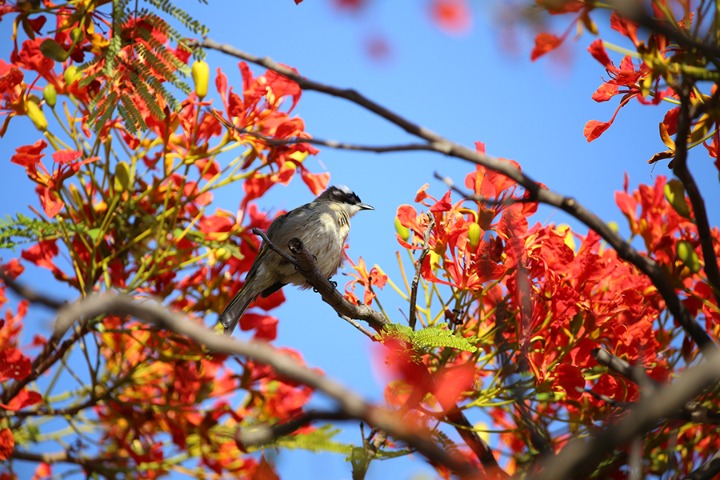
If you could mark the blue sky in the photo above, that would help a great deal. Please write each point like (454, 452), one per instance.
(464, 87)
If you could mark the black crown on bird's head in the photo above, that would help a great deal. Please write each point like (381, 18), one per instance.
(342, 194)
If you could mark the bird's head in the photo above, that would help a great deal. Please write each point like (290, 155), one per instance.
(346, 198)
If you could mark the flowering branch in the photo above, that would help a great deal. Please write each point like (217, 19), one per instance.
(536, 191)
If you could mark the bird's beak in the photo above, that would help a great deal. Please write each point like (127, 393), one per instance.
(365, 206)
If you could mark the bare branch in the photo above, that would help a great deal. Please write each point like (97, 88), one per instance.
(266, 435)
(29, 294)
(632, 373)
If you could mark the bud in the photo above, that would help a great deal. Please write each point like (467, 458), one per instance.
(201, 76)
(675, 195)
(474, 234)
(222, 254)
(402, 231)
(35, 113)
(686, 253)
(77, 34)
(71, 75)
(50, 95)
(121, 181)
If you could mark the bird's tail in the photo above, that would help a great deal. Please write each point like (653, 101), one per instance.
(230, 317)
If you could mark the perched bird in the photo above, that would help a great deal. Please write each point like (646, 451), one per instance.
(322, 225)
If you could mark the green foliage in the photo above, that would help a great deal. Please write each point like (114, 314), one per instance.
(428, 338)
(319, 440)
(128, 79)
(24, 230)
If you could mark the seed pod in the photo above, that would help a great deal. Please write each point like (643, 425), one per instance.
(35, 113)
(201, 77)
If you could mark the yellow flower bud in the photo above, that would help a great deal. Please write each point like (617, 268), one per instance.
(50, 95)
(35, 113)
(122, 181)
(675, 195)
(474, 234)
(686, 253)
(402, 231)
(201, 77)
(71, 75)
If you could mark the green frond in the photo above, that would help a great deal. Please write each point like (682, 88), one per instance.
(154, 61)
(154, 77)
(101, 104)
(168, 56)
(133, 117)
(22, 230)
(107, 109)
(438, 336)
(428, 338)
(180, 15)
(157, 86)
(445, 442)
(319, 440)
(142, 89)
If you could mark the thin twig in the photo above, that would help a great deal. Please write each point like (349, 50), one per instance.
(412, 316)
(479, 198)
(281, 142)
(258, 436)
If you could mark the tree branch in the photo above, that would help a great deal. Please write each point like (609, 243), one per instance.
(681, 170)
(265, 435)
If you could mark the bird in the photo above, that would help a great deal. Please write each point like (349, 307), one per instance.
(322, 225)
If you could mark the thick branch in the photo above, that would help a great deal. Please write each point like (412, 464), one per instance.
(535, 190)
